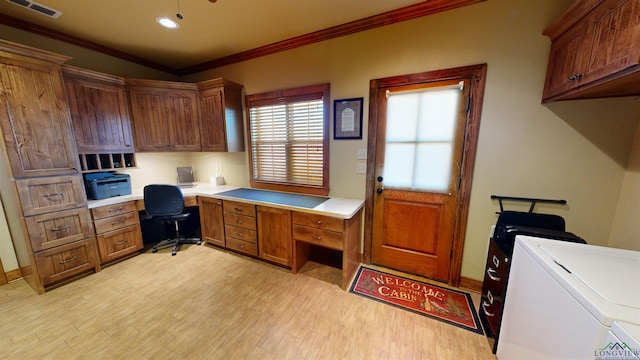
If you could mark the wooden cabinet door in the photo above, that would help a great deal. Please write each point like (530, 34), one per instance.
(221, 123)
(100, 115)
(274, 235)
(614, 36)
(34, 118)
(211, 221)
(165, 119)
(181, 108)
(565, 61)
(150, 124)
(212, 129)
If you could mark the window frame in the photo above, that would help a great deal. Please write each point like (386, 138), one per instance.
(320, 91)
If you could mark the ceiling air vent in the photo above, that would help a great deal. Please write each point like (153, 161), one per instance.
(39, 8)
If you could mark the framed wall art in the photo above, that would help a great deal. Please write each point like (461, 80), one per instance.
(347, 119)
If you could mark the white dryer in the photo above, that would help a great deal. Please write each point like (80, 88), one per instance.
(571, 301)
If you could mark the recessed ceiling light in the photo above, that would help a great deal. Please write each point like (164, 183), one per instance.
(168, 23)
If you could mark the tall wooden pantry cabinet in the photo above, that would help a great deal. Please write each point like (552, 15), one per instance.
(40, 183)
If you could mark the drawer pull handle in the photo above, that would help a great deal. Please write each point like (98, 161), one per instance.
(68, 260)
(239, 234)
(317, 222)
(316, 237)
(484, 309)
(53, 194)
(115, 209)
(493, 274)
(241, 247)
(61, 228)
(122, 242)
(117, 222)
(239, 221)
(237, 209)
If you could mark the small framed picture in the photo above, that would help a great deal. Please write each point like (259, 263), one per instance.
(347, 119)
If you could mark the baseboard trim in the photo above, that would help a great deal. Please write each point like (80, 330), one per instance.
(13, 275)
(471, 284)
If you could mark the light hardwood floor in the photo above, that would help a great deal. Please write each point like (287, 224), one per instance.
(206, 303)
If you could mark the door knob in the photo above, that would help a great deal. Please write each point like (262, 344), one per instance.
(379, 190)
(380, 179)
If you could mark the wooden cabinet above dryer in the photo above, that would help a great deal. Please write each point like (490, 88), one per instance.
(595, 51)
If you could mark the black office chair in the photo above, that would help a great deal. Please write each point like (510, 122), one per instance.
(165, 204)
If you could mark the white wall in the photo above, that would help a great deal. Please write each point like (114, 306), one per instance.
(7, 254)
(625, 233)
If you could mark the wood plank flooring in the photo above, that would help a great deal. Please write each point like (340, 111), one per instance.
(206, 303)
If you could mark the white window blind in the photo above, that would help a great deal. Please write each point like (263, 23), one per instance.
(287, 142)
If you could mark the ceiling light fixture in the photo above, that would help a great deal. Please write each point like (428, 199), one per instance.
(168, 23)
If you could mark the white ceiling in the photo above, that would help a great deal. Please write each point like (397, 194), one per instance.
(208, 30)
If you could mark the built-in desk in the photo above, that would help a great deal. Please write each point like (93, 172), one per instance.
(334, 223)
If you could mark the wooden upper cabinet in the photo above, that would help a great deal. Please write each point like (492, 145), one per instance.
(221, 125)
(595, 51)
(165, 115)
(34, 118)
(99, 111)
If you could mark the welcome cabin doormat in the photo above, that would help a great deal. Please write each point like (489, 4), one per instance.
(451, 306)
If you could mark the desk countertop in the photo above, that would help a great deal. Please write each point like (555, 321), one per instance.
(335, 207)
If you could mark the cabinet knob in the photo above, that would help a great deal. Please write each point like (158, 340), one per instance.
(574, 77)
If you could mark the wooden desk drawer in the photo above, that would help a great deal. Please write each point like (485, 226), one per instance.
(240, 233)
(118, 243)
(190, 201)
(329, 239)
(318, 221)
(242, 221)
(239, 208)
(64, 262)
(242, 246)
(54, 229)
(116, 222)
(43, 195)
(111, 210)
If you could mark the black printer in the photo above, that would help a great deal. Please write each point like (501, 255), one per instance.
(105, 185)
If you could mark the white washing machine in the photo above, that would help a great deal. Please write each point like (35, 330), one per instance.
(571, 301)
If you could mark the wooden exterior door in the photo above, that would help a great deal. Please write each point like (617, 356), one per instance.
(417, 169)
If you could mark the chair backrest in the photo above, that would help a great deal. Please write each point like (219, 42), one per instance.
(163, 200)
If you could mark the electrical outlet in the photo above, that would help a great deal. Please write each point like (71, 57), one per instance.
(219, 168)
(361, 168)
(362, 154)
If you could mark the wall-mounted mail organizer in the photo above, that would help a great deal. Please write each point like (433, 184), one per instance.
(90, 162)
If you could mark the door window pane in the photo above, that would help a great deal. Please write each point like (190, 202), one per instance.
(420, 136)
